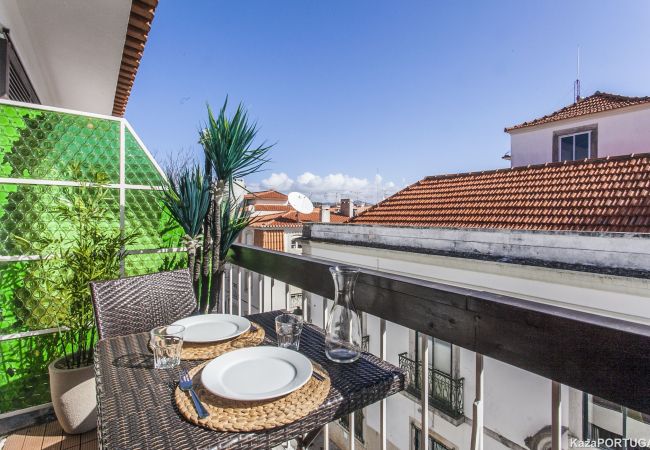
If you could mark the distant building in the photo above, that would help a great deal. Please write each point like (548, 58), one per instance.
(276, 225)
(594, 127)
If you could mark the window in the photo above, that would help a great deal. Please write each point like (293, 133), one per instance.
(440, 354)
(434, 444)
(14, 82)
(295, 243)
(575, 146)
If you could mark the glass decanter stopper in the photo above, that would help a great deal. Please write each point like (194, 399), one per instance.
(343, 326)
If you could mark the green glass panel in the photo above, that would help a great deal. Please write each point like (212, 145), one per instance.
(38, 144)
(146, 216)
(27, 212)
(139, 168)
(24, 380)
(44, 145)
(154, 262)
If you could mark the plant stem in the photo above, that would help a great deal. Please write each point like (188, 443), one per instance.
(205, 269)
(217, 197)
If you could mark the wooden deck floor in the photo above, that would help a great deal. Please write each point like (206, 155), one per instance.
(50, 436)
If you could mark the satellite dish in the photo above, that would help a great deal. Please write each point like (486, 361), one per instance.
(301, 203)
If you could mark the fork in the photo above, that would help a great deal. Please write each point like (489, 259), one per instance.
(185, 383)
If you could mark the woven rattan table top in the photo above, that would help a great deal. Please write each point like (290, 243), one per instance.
(136, 408)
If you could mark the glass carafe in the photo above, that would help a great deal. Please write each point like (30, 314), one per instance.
(343, 326)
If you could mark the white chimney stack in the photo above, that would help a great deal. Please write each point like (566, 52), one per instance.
(325, 213)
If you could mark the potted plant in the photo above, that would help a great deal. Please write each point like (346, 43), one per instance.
(202, 202)
(88, 246)
(229, 155)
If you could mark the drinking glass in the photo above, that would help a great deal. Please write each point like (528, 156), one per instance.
(166, 343)
(288, 328)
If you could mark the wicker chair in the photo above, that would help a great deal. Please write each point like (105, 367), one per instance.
(136, 304)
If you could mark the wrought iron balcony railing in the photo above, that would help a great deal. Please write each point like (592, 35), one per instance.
(446, 393)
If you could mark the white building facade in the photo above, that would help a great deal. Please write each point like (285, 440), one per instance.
(598, 126)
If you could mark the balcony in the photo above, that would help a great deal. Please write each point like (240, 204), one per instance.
(445, 392)
(600, 355)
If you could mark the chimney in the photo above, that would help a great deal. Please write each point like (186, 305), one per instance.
(325, 213)
(347, 207)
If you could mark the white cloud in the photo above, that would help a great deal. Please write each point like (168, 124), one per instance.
(278, 181)
(331, 187)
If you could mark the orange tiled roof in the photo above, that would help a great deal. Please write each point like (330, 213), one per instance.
(608, 194)
(277, 208)
(596, 103)
(266, 195)
(137, 32)
(292, 219)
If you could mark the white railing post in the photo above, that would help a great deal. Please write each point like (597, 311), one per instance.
(351, 431)
(238, 291)
(287, 296)
(382, 403)
(249, 285)
(424, 398)
(326, 437)
(223, 292)
(477, 419)
(230, 283)
(556, 416)
(261, 284)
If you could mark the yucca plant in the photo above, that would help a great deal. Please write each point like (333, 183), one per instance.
(186, 195)
(229, 154)
(234, 219)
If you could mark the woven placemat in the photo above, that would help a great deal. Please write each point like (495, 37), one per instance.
(239, 416)
(196, 351)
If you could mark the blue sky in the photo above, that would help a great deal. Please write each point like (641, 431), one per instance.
(404, 89)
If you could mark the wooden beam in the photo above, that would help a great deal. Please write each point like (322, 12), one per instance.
(600, 355)
(132, 53)
(136, 33)
(133, 43)
(142, 9)
(138, 23)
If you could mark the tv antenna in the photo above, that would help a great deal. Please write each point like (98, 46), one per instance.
(576, 86)
(301, 203)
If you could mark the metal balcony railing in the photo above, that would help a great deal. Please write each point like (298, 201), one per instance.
(446, 393)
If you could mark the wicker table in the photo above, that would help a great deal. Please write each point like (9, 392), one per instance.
(136, 407)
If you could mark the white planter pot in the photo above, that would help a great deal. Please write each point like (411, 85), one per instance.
(74, 397)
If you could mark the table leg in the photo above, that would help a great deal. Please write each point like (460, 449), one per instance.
(308, 439)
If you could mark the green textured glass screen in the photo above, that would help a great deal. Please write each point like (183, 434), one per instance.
(43, 153)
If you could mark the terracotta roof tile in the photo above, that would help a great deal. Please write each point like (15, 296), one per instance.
(266, 195)
(292, 219)
(277, 208)
(585, 195)
(596, 103)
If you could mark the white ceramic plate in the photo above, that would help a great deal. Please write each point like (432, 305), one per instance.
(213, 327)
(256, 373)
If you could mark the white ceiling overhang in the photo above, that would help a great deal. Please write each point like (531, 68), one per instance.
(71, 49)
